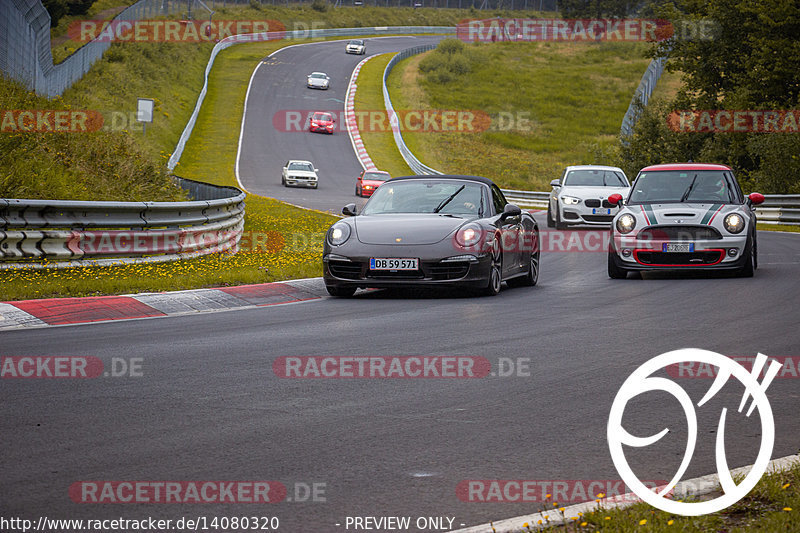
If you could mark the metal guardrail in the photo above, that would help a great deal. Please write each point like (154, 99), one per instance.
(415, 164)
(298, 34)
(642, 95)
(526, 198)
(76, 233)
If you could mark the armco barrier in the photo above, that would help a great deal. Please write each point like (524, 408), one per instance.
(415, 164)
(73, 233)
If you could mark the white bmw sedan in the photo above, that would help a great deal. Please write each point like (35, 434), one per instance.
(581, 196)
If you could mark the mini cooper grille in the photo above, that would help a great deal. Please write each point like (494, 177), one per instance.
(442, 271)
(345, 270)
(688, 259)
(598, 218)
(680, 233)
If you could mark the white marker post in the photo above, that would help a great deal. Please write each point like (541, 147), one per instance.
(144, 112)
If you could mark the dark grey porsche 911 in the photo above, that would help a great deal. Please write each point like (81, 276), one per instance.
(423, 231)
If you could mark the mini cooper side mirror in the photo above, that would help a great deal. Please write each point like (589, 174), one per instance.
(615, 199)
(756, 198)
(555, 183)
(510, 210)
(349, 210)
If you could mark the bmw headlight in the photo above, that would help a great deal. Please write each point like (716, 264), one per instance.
(469, 236)
(626, 223)
(570, 200)
(734, 223)
(339, 233)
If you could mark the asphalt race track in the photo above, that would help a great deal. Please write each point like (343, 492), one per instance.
(207, 404)
(278, 86)
(209, 407)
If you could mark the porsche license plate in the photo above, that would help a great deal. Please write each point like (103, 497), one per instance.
(393, 263)
(677, 247)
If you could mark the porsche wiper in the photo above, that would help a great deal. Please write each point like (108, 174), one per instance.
(689, 189)
(448, 199)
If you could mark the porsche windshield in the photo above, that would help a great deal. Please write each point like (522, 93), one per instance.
(595, 178)
(427, 196)
(676, 186)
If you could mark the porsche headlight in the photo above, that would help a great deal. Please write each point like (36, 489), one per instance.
(734, 223)
(338, 234)
(570, 200)
(469, 236)
(626, 223)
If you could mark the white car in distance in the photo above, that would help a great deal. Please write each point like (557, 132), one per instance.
(299, 172)
(356, 46)
(581, 196)
(318, 80)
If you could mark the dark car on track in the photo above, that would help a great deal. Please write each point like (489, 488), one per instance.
(432, 231)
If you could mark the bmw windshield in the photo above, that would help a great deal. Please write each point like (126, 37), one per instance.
(595, 178)
(678, 186)
(428, 196)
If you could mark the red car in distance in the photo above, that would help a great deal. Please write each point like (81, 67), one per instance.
(321, 121)
(369, 180)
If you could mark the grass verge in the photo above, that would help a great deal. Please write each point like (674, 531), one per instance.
(552, 104)
(380, 144)
(281, 241)
(773, 505)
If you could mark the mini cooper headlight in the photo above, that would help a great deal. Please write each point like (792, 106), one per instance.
(469, 236)
(338, 234)
(570, 200)
(626, 223)
(734, 223)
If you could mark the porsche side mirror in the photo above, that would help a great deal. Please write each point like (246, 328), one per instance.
(349, 210)
(615, 199)
(555, 183)
(510, 210)
(755, 198)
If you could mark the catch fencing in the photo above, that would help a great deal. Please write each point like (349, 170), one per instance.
(75, 233)
(25, 53)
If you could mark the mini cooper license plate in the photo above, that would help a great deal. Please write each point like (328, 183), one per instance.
(677, 247)
(393, 263)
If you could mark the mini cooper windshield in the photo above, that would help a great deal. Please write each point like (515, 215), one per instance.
(678, 186)
(427, 196)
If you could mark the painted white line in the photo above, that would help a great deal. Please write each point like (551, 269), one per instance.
(692, 487)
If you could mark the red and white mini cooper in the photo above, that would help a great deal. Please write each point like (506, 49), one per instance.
(684, 216)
